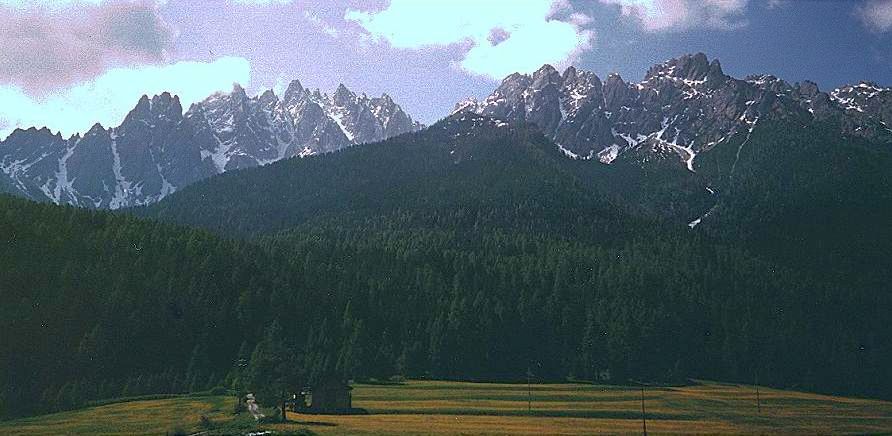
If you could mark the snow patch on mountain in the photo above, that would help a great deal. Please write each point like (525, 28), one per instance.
(686, 105)
(122, 186)
(158, 148)
(63, 182)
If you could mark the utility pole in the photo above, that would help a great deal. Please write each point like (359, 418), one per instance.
(284, 401)
(529, 391)
(240, 365)
(643, 412)
(758, 399)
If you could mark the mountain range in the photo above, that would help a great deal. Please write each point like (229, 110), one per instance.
(522, 232)
(683, 108)
(158, 149)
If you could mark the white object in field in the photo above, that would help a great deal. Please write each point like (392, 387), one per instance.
(253, 407)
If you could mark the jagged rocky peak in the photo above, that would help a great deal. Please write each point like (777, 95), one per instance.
(158, 149)
(580, 89)
(343, 96)
(690, 67)
(27, 141)
(268, 99)
(869, 86)
(384, 108)
(715, 70)
(514, 83)
(159, 107)
(866, 101)
(516, 77)
(166, 104)
(219, 97)
(142, 111)
(682, 107)
(96, 130)
(264, 128)
(294, 93)
(616, 91)
(570, 73)
(808, 88)
(294, 88)
(546, 76)
(384, 101)
(770, 83)
(31, 131)
(864, 90)
(469, 104)
(46, 131)
(143, 105)
(545, 70)
(238, 91)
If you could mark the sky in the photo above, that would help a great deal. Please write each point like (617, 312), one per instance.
(67, 64)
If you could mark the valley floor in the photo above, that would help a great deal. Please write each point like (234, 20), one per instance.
(434, 407)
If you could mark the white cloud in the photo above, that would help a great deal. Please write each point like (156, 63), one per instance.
(51, 4)
(661, 15)
(56, 5)
(111, 95)
(45, 48)
(321, 24)
(776, 4)
(280, 86)
(261, 2)
(501, 36)
(526, 49)
(62, 4)
(877, 15)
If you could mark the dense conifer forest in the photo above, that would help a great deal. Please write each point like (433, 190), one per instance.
(467, 251)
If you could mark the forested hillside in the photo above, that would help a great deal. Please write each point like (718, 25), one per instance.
(487, 304)
(527, 250)
(97, 306)
(472, 250)
(500, 170)
(808, 197)
(477, 168)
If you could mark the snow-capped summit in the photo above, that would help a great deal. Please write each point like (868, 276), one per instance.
(158, 149)
(684, 106)
(469, 104)
(865, 97)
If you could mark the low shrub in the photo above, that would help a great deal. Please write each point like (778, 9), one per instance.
(238, 407)
(205, 422)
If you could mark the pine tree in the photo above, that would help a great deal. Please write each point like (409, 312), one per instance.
(274, 370)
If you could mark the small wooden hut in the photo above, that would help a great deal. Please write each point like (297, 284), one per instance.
(330, 396)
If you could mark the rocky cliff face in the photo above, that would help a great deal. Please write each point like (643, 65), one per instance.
(158, 149)
(683, 107)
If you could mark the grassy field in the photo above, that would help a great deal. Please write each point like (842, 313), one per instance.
(150, 417)
(431, 407)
